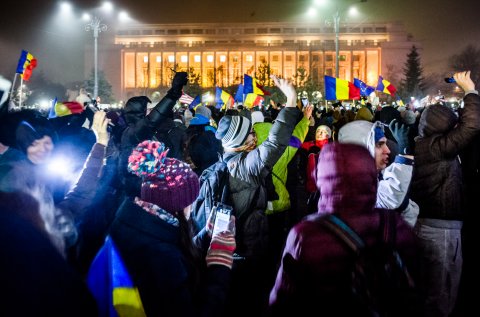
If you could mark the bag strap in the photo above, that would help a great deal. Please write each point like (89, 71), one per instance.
(344, 232)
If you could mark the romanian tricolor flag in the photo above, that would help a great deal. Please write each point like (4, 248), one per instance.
(112, 286)
(65, 108)
(26, 64)
(251, 85)
(385, 86)
(252, 100)
(223, 97)
(340, 89)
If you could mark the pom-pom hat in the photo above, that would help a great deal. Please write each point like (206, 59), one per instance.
(167, 182)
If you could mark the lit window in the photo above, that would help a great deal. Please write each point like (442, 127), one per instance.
(145, 59)
(159, 59)
(210, 58)
(223, 58)
(171, 59)
(249, 58)
(197, 58)
(184, 58)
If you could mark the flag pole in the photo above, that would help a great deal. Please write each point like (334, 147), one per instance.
(20, 93)
(11, 91)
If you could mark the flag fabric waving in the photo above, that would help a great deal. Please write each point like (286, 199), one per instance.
(223, 97)
(186, 99)
(64, 108)
(196, 101)
(252, 100)
(251, 85)
(365, 90)
(340, 89)
(111, 285)
(385, 86)
(26, 64)
(239, 94)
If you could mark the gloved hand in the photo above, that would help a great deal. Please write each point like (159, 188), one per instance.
(221, 249)
(400, 133)
(179, 80)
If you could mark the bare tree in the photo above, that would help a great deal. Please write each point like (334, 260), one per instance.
(468, 59)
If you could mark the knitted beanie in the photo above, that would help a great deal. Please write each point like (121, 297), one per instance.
(167, 182)
(233, 131)
(257, 116)
(363, 133)
(204, 111)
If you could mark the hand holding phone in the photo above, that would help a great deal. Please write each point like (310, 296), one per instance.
(450, 80)
(222, 218)
(304, 102)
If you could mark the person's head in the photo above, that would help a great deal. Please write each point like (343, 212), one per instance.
(370, 135)
(323, 132)
(202, 116)
(236, 134)
(342, 166)
(166, 182)
(436, 119)
(257, 116)
(36, 140)
(135, 109)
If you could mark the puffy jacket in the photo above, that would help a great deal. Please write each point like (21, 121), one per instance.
(437, 177)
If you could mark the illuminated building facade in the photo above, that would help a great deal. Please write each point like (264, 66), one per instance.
(221, 53)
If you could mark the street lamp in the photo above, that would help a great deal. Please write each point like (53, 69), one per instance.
(336, 28)
(96, 26)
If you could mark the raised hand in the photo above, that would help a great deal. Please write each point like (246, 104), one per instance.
(463, 80)
(288, 90)
(307, 111)
(400, 133)
(99, 127)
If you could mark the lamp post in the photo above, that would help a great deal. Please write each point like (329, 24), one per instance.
(96, 26)
(336, 23)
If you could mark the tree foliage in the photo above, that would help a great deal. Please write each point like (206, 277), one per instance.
(104, 87)
(467, 59)
(412, 84)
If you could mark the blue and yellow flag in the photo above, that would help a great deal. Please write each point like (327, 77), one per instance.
(251, 85)
(112, 286)
(223, 98)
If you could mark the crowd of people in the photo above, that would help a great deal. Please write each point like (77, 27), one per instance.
(138, 172)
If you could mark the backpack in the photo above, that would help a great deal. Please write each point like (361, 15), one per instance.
(214, 188)
(381, 283)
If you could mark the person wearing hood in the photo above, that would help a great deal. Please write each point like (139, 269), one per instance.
(394, 179)
(36, 140)
(437, 187)
(141, 126)
(316, 268)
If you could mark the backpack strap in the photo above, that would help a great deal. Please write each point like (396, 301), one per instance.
(344, 232)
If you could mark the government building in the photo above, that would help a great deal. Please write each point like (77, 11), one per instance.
(142, 57)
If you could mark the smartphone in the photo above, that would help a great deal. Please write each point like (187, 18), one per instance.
(304, 102)
(222, 218)
(450, 80)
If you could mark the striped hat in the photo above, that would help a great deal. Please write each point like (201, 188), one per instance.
(233, 131)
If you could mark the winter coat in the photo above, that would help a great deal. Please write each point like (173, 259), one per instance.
(249, 170)
(279, 172)
(315, 272)
(437, 184)
(150, 248)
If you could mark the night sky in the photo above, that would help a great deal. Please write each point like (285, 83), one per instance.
(443, 27)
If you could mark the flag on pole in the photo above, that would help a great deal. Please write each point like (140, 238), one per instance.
(26, 64)
(65, 108)
(385, 86)
(223, 97)
(251, 85)
(365, 90)
(196, 101)
(340, 89)
(186, 99)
